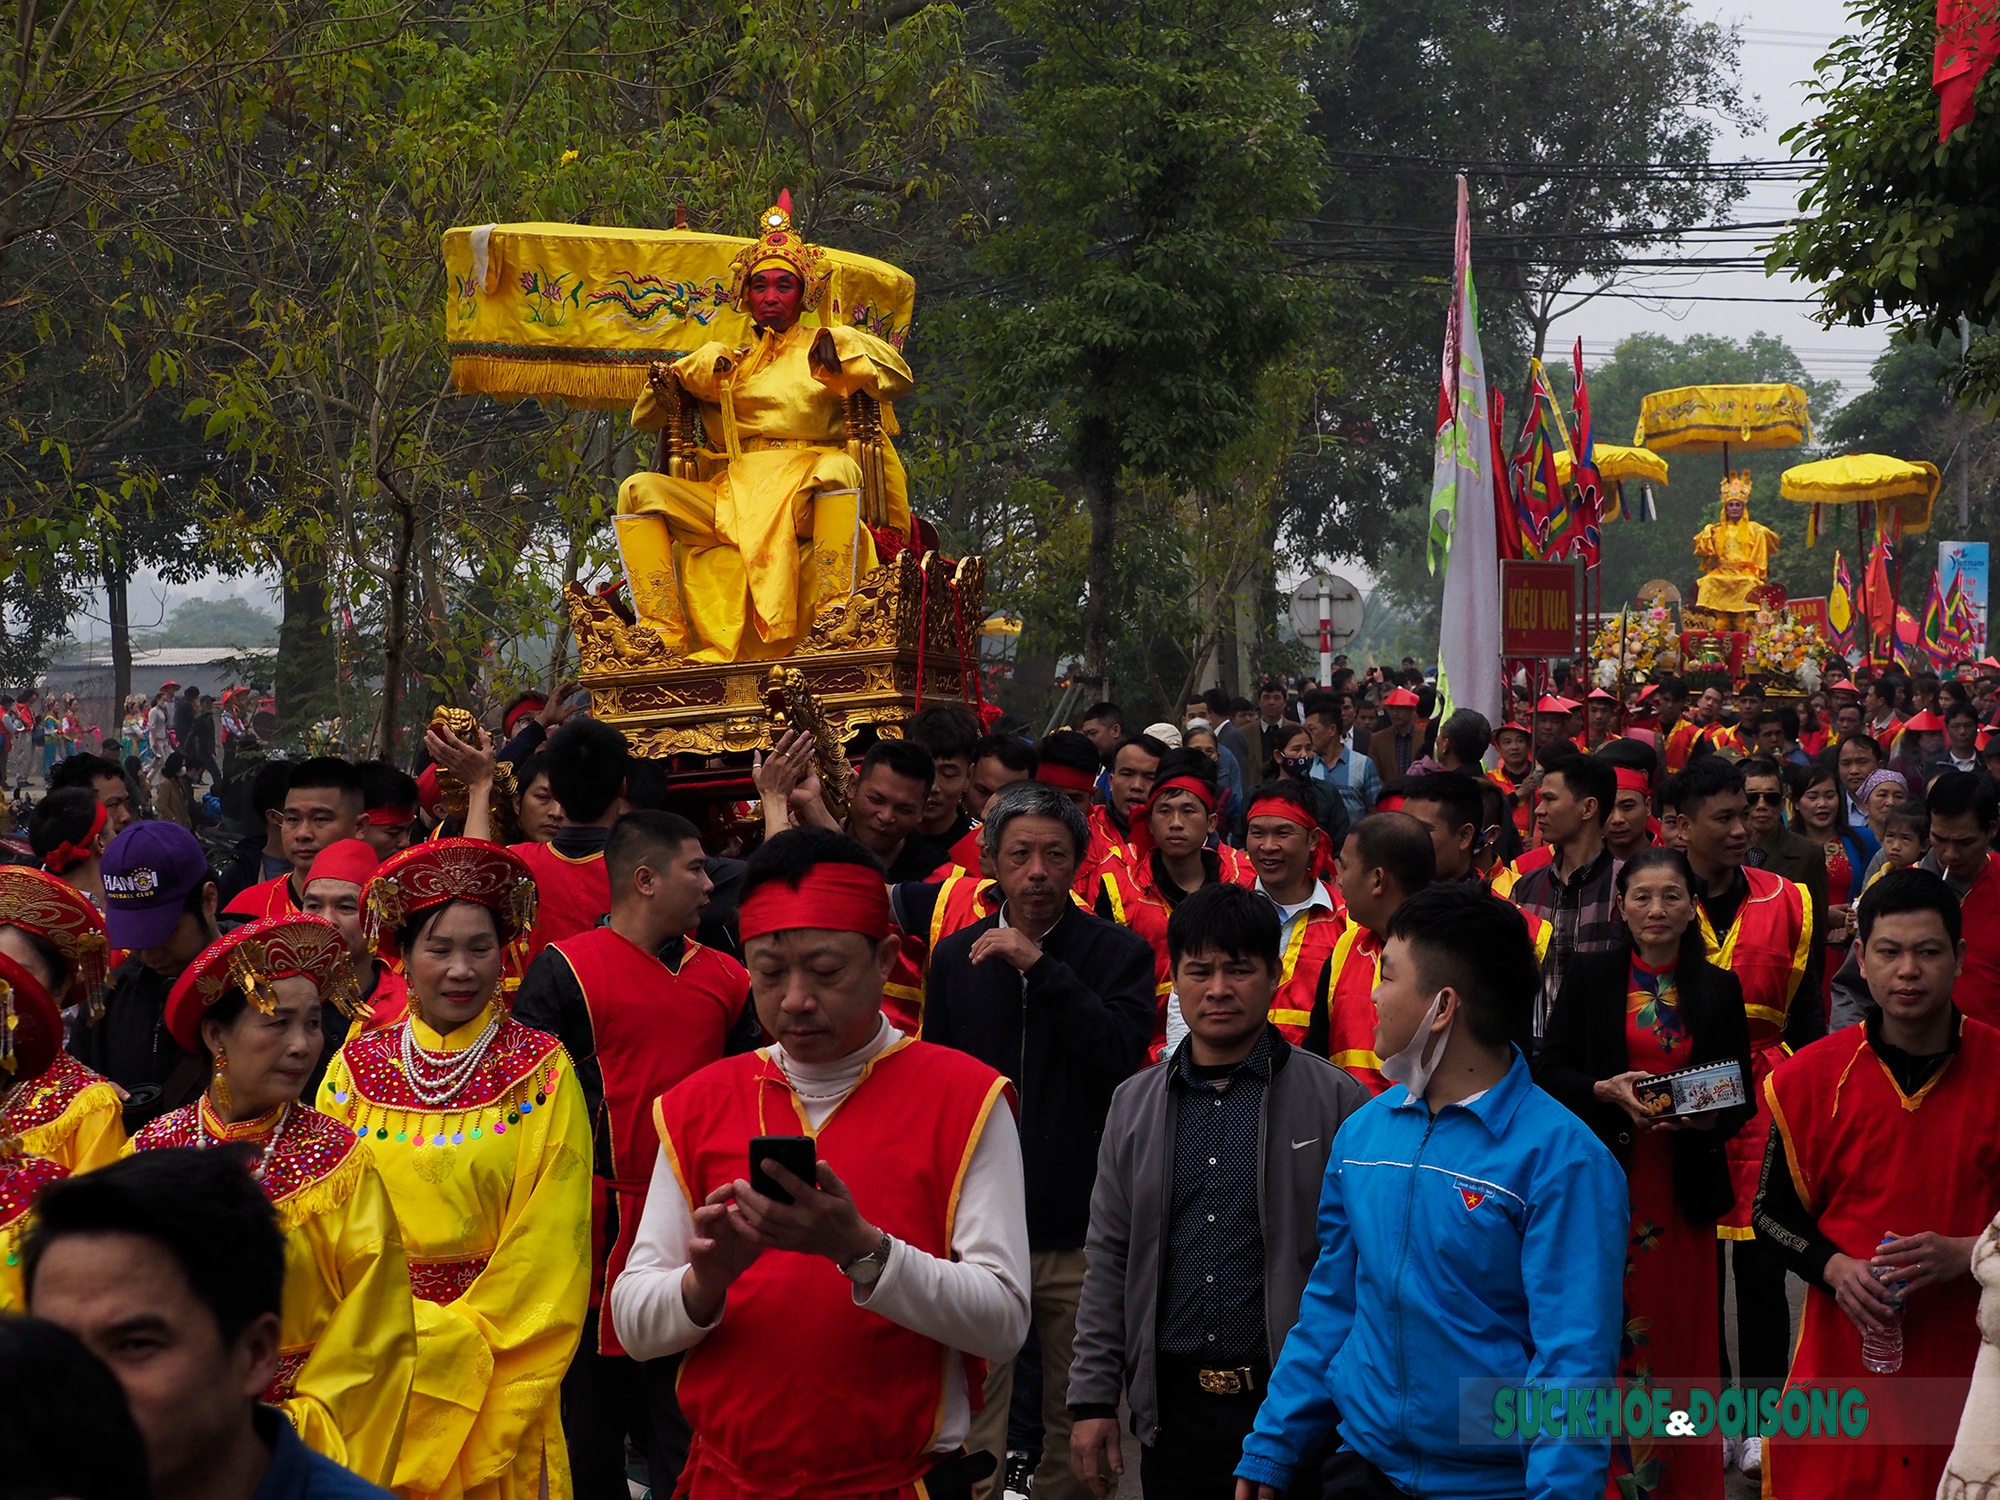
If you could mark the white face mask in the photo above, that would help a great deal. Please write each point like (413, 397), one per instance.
(1409, 1067)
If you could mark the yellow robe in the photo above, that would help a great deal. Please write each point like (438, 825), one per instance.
(70, 1115)
(1741, 553)
(347, 1327)
(781, 485)
(493, 1197)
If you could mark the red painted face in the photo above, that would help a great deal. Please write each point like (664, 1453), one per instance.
(774, 297)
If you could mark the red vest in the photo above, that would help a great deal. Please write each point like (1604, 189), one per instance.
(1865, 1160)
(1307, 953)
(1766, 948)
(965, 853)
(389, 1001)
(962, 899)
(1524, 815)
(798, 1391)
(1978, 989)
(1351, 975)
(652, 1026)
(271, 898)
(571, 895)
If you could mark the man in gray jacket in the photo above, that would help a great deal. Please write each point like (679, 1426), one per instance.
(1203, 1218)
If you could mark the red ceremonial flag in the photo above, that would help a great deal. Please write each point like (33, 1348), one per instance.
(1878, 597)
(1507, 529)
(1968, 38)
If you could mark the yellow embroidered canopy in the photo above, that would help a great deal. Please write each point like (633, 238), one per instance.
(1911, 487)
(579, 311)
(1708, 418)
(1616, 462)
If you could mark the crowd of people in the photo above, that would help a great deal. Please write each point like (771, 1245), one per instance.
(1221, 1099)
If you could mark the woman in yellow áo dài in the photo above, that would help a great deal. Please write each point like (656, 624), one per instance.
(773, 528)
(1739, 551)
(480, 1131)
(347, 1337)
(31, 1033)
(69, 1114)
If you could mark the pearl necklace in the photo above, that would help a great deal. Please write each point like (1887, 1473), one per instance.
(438, 1078)
(203, 1139)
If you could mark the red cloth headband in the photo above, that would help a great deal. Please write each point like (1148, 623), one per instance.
(845, 898)
(1142, 823)
(1279, 807)
(68, 856)
(390, 817)
(1632, 781)
(1064, 778)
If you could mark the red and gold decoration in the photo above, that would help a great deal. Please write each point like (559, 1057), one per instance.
(443, 870)
(64, 918)
(250, 959)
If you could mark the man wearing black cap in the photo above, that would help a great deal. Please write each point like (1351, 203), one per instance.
(159, 904)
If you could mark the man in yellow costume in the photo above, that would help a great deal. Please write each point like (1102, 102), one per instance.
(772, 528)
(1739, 550)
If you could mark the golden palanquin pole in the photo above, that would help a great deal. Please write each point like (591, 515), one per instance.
(596, 316)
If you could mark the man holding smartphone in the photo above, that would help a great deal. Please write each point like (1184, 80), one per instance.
(832, 1342)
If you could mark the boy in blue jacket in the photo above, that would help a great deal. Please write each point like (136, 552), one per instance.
(1470, 1228)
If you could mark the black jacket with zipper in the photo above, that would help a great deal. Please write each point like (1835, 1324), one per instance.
(1067, 1033)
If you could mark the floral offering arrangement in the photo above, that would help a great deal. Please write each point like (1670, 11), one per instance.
(1635, 645)
(1785, 651)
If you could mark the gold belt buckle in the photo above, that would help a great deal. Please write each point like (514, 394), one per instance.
(1227, 1382)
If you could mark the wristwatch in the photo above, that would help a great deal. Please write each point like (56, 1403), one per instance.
(866, 1270)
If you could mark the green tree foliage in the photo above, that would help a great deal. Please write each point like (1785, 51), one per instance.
(1893, 221)
(228, 621)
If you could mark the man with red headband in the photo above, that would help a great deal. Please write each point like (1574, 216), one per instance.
(639, 1006)
(799, 1380)
(324, 803)
(1386, 860)
(340, 873)
(1288, 852)
(389, 807)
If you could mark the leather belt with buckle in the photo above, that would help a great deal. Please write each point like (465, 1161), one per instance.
(1228, 1382)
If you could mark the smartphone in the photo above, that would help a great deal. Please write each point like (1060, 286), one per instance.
(795, 1153)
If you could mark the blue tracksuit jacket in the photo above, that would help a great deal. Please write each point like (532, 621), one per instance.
(1485, 1241)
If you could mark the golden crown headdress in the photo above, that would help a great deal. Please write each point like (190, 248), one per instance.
(778, 244)
(1736, 487)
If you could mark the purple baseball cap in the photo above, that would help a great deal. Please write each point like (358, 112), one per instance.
(148, 871)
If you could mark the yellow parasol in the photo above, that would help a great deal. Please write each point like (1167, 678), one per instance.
(1910, 488)
(1712, 418)
(578, 311)
(1617, 463)
(1001, 625)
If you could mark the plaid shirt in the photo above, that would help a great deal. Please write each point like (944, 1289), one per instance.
(1582, 912)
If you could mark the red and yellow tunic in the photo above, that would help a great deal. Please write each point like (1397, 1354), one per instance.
(1301, 970)
(492, 1194)
(22, 1178)
(798, 1391)
(651, 1026)
(271, 898)
(389, 1001)
(1865, 1159)
(1766, 948)
(1346, 997)
(1505, 879)
(1524, 815)
(571, 895)
(347, 1327)
(1977, 992)
(70, 1115)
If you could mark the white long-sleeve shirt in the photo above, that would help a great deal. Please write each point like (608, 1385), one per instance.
(975, 1302)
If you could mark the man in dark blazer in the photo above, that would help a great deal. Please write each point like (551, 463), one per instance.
(1775, 847)
(1061, 1002)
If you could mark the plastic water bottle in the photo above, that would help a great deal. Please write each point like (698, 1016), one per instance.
(1882, 1353)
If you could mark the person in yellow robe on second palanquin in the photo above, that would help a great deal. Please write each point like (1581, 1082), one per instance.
(773, 528)
(347, 1336)
(480, 1130)
(69, 1114)
(1739, 551)
(31, 1033)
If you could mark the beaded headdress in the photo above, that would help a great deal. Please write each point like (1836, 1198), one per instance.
(61, 916)
(31, 1028)
(251, 959)
(442, 870)
(1736, 487)
(779, 245)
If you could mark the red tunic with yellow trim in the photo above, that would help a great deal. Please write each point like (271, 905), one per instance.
(22, 1179)
(1524, 815)
(1302, 971)
(347, 1335)
(71, 1115)
(650, 1027)
(1129, 894)
(389, 1001)
(965, 853)
(1977, 992)
(492, 1194)
(1108, 849)
(270, 898)
(1766, 948)
(798, 1391)
(571, 895)
(1865, 1159)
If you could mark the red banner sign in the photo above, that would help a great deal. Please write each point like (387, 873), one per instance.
(1538, 608)
(1811, 612)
